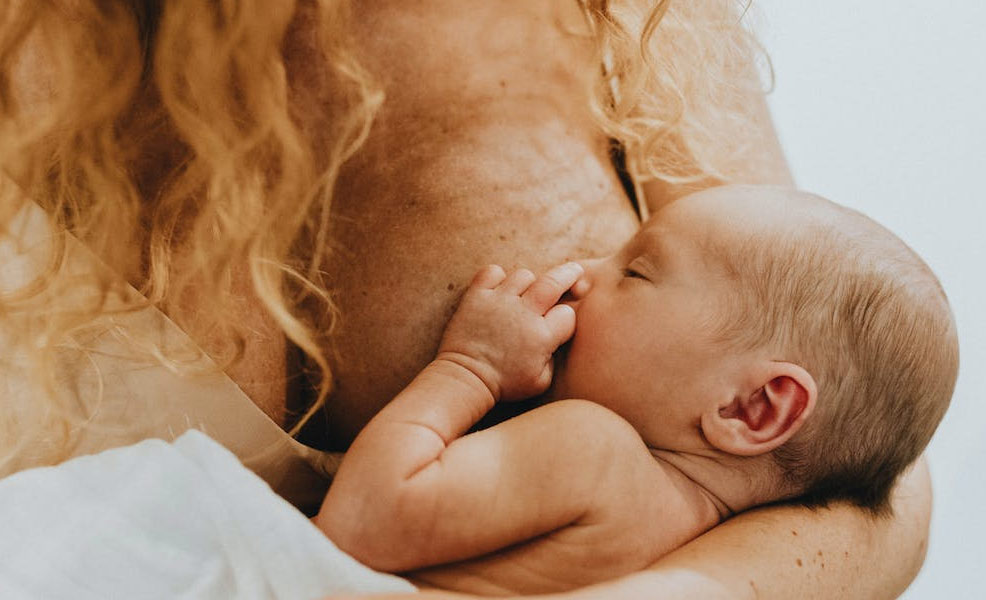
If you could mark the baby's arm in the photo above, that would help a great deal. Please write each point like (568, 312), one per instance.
(411, 491)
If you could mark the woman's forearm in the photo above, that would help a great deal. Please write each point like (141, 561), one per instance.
(793, 552)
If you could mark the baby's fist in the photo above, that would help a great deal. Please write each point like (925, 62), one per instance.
(507, 328)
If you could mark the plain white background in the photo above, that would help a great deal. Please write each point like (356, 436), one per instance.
(880, 105)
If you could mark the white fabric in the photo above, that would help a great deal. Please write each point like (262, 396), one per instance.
(165, 520)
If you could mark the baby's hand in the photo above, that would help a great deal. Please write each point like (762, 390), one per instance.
(507, 328)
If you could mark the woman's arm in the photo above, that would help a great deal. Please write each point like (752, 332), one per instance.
(794, 552)
(787, 552)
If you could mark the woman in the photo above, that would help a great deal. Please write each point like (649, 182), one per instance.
(304, 188)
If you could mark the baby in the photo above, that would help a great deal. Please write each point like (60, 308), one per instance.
(748, 345)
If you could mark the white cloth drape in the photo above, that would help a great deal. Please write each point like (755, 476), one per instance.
(165, 520)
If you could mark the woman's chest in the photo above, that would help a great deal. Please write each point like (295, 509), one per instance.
(484, 151)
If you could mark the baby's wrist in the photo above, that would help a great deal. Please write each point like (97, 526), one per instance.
(471, 371)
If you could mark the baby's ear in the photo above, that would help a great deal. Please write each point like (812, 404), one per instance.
(758, 422)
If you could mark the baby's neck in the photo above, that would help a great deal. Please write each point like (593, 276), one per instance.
(727, 484)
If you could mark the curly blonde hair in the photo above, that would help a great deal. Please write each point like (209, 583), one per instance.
(90, 88)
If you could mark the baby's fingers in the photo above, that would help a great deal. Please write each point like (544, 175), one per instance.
(548, 288)
(561, 323)
(488, 277)
(517, 282)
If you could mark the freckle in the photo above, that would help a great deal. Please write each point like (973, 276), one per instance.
(819, 552)
(450, 287)
(793, 532)
(847, 554)
(502, 237)
(823, 565)
(503, 83)
(799, 562)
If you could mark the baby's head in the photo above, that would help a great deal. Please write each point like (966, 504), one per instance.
(767, 322)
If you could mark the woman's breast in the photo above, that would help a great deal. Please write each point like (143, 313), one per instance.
(484, 152)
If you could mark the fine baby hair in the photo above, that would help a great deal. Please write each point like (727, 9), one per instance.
(856, 307)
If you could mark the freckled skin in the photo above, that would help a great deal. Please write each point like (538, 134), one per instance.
(482, 153)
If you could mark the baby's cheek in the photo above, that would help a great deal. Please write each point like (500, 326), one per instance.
(583, 366)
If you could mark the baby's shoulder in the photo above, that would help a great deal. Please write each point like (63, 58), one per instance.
(602, 445)
(638, 511)
(588, 415)
(593, 428)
